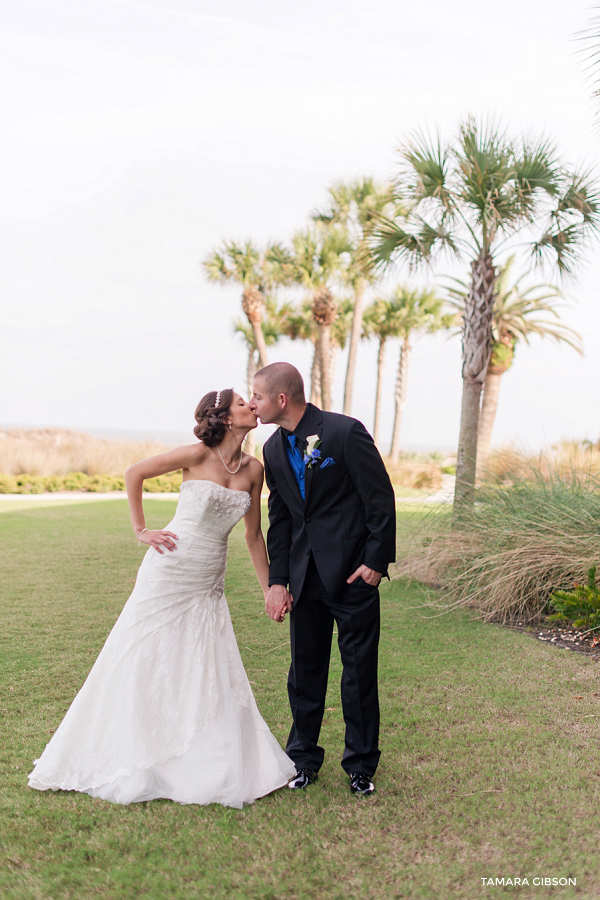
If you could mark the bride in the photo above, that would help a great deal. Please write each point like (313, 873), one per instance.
(167, 710)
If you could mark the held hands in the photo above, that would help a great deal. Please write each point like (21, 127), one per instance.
(370, 576)
(159, 539)
(278, 601)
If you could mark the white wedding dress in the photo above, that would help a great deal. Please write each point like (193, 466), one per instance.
(167, 710)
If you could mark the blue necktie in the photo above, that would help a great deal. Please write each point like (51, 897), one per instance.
(296, 459)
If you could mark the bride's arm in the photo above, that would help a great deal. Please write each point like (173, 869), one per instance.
(254, 536)
(181, 458)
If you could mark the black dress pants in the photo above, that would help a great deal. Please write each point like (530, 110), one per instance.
(311, 630)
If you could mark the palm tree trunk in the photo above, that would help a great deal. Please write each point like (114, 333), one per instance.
(315, 378)
(355, 336)
(250, 373)
(380, 368)
(477, 344)
(400, 395)
(253, 304)
(333, 353)
(324, 344)
(259, 340)
(487, 415)
(467, 445)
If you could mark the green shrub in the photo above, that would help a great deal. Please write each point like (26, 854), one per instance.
(29, 484)
(163, 483)
(53, 483)
(79, 481)
(74, 481)
(8, 484)
(581, 606)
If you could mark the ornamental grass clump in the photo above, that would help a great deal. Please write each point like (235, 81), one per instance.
(518, 545)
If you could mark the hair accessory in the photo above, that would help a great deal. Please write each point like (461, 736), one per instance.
(218, 400)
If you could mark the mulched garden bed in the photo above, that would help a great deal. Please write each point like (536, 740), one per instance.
(563, 636)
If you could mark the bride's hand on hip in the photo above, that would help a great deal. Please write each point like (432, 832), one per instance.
(159, 539)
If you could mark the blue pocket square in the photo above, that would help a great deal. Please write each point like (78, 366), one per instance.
(327, 462)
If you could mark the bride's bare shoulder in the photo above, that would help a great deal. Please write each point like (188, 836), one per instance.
(196, 453)
(255, 467)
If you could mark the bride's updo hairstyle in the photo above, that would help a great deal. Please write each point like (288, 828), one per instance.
(211, 425)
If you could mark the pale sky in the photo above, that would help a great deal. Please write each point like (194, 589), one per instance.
(138, 135)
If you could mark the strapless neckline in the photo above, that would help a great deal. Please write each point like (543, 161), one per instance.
(216, 483)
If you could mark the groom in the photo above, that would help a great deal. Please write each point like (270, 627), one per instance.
(332, 518)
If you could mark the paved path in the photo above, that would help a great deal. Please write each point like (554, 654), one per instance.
(444, 495)
(13, 502)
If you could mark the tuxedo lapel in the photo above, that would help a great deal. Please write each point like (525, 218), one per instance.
(312, 425)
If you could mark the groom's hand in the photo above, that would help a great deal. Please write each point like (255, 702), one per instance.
(278, 601)
(370, 576)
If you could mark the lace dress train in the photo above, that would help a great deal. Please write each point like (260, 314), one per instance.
(167, 710)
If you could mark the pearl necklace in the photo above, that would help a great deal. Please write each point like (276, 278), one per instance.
(231, 471)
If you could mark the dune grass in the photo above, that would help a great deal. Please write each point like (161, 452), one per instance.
(490, 764)
(58, 451)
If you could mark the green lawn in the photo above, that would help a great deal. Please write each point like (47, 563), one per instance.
(490, 766)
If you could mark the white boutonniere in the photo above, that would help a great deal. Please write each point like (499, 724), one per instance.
(312, 453)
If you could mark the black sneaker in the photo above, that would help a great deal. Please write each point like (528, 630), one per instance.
(303, 778)
(361, 784)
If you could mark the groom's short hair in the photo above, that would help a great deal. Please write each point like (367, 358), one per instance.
(283, 378)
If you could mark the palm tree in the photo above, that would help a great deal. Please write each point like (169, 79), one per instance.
(341, 328)
(354, 205)
(317, 263)
(299, 325)
(403, 315)
(469, 197)
(272, 326)
(380, 322)
(256, 271)
(515, 317)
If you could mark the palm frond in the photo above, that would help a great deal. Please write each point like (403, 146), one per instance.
(278, 265)
(405, 312)
(390, 240)
(425, 169)
(216, 268)
(560, 246)
(320, 256)
(581, 197)
(236, 262)
(339, 206)
(590, 51)
(536, 169)
(573, 221)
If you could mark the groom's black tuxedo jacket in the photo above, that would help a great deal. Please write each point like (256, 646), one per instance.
(349, 517)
